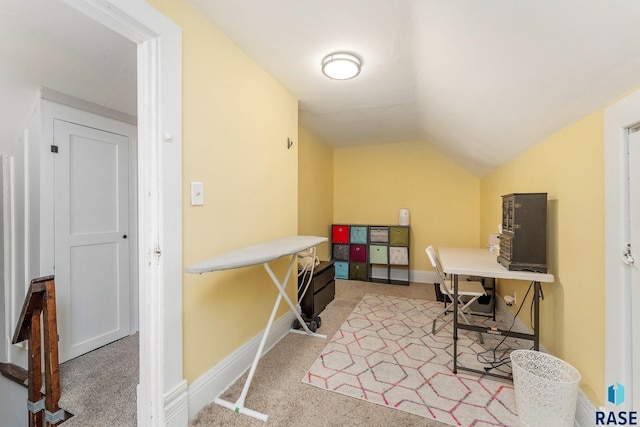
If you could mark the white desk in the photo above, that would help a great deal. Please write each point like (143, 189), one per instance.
(261, 254)
(481, 262)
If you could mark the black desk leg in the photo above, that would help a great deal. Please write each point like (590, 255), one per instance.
(455, 323)
(493, 299)
(536, 316)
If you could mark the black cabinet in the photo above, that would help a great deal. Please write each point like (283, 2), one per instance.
(523, 242)
(487, 303)
(321, 291)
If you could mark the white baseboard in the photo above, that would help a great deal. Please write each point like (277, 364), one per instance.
(214, 382)
(219, 378)
(176, 406)
(585, 410)
(421, 276)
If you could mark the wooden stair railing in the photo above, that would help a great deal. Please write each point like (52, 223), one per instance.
(40, 302)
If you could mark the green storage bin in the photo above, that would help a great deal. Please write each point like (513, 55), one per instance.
(378, 254)
(399, 236)
(358, 271)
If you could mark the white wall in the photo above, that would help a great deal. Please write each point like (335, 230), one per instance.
(24, 230)
(32, 224)
(13, 405)
(16, 229)
(17, 355)
(3, 280)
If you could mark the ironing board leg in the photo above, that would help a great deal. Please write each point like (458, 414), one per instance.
(288, 300)
(238, 406)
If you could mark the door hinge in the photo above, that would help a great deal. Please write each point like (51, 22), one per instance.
(54, 148)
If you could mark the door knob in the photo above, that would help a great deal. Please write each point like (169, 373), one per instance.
(124, 236)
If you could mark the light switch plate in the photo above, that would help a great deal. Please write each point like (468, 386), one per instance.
(197, 194)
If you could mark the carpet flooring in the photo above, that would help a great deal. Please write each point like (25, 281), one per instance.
(385, 353)
(99, 388)
(278, 391)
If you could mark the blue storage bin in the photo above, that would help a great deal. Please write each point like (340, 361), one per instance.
(342, 269)
(358, 234)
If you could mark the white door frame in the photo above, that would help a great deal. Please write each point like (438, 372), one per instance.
(617, 119)
(162, 391)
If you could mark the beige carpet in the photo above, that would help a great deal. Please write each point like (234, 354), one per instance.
(277, 390)
(99, 388)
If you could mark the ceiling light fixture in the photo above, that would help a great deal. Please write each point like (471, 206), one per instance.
(341, 66)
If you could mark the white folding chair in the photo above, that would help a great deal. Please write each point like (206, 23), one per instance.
(468, 293)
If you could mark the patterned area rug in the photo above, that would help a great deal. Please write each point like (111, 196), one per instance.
(385, 353)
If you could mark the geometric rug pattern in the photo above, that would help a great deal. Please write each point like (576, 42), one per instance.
(385, 353)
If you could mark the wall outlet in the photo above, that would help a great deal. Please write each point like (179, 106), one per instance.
(510, 300)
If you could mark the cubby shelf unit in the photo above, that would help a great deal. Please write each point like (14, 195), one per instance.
(372, 253)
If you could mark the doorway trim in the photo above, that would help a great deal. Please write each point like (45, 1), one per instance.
(617, 119)
(162, 391)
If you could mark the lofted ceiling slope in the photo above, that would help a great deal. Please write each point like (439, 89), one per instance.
(481, 80)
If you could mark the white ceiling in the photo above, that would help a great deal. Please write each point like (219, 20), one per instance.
(480, 80)
(45, 43)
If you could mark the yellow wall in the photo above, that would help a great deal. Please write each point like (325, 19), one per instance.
(372, 183)
(236, 121)
(315, 188)
(569, 167)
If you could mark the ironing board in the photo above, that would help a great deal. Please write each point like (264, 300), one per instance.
(261, 254)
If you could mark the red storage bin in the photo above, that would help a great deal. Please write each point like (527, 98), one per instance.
(340, 234)
(358, 253)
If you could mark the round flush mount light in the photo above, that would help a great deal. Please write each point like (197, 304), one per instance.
(341, 66)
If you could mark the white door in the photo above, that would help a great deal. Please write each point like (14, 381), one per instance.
(634, 241)
(91, 173)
